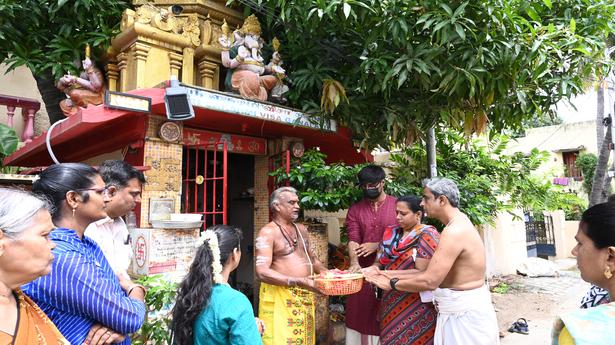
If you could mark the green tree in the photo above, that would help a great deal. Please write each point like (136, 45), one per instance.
(405, 65)
(48, 36)
(587, 163)
(489, 180)
(321, 186)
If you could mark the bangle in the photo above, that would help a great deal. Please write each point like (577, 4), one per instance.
(137, 286)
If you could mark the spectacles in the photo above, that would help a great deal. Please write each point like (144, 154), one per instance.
(108, 190)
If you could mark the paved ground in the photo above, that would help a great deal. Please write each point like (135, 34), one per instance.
(539, 300)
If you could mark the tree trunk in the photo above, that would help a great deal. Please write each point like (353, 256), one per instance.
(606, 190)
(599, 116)
(51, 96)
(597, 194)
(432, 170)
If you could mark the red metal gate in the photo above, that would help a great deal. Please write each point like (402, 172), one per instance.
(277, 161)
(280, 160)
(204, 182)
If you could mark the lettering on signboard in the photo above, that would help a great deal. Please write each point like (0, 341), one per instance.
(234, 143)
(233, 105)
(172, 250)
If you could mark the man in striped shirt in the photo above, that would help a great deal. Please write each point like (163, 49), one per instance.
(92, 295)
(82, 295)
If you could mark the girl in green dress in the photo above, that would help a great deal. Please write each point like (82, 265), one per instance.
(207, 309)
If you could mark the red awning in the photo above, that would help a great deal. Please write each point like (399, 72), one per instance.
(99, 130)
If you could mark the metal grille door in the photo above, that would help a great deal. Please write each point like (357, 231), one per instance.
(540, 237)
(280, 160)
(204, 182)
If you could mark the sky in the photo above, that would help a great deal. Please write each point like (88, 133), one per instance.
(585, 107)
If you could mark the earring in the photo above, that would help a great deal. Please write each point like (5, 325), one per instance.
(74, 212)
(607, 273)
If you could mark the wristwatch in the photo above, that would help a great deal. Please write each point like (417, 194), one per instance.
(393, 282)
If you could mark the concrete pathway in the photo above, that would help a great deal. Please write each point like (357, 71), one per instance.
(540, 300)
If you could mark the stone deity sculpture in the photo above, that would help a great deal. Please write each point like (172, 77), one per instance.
(275, 67)
(88, 88)
(248, 75)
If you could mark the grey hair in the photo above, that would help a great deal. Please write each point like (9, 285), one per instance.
(17, 208)
(275, 196)
(443, 186)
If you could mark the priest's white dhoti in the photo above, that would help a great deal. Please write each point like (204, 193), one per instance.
(465, 317)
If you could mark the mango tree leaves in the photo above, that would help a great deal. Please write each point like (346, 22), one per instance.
(490, 180)
(47, 36)
(463, 64)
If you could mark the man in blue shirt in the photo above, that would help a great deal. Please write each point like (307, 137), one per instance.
(82, 295)
(82, 291)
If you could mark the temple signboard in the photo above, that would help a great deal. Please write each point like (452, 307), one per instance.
(235, 143)
(166, 251)
(235, 105)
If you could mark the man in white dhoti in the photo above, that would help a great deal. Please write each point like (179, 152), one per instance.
(456, 272)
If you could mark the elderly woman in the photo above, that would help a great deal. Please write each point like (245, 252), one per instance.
(25, 254)
(82, 295)
(595, 253)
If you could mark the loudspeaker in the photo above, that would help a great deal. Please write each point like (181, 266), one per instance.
(177, 102)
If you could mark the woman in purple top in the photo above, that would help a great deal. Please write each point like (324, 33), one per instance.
(365, 222)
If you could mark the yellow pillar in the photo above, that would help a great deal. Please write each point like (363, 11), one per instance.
(122, 64)
(112, 75)
(208, 71)
(140, 53)
(188, 66)
(176, 63)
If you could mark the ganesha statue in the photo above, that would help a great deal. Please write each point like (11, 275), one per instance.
(248, 75)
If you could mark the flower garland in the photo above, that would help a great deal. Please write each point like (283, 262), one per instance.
(211, 239)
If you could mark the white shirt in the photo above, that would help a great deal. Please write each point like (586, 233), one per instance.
(112, 237)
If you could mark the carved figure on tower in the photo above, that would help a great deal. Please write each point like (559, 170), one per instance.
(275, 67)
(241, 54)
(88, 88)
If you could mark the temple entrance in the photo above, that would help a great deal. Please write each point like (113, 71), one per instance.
(220, 185)
(241, 214)
(204, 182)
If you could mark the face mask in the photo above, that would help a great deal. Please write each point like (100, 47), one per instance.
(371, 193)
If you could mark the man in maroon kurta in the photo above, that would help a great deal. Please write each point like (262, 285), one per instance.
(365, 223)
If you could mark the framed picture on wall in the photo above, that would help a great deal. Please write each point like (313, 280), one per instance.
(161, 208)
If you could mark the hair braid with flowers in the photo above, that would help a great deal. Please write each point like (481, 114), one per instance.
(210, 238)
(215, 247)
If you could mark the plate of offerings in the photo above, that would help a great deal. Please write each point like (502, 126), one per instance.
(336, 282)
